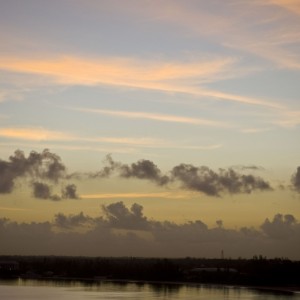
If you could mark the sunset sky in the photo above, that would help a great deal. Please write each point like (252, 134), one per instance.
(155, 128)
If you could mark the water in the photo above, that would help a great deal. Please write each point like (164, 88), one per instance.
(62, 290)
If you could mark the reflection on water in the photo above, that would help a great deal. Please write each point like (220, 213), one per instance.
(66, 290)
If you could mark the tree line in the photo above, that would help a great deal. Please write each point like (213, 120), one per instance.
(258, 271)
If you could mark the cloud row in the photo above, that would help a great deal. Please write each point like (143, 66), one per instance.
(200, 179)
(193, 178)
(45, 172)
(121, 231)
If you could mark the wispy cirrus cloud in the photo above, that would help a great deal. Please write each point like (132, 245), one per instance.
(288, 118)
(41, 134)
(117, 70)
(255, 27)
(166, 76)
(71, 141)
(255, 130)
(34, 134)
(290, 5)
(154, 116)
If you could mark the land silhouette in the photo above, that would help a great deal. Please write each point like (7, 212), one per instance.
(258, 271)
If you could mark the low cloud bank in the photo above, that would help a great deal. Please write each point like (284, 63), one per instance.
(126, 231)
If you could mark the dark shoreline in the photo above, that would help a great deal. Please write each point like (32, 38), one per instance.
(276, 275)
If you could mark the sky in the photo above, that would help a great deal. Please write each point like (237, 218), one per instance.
(150, 128)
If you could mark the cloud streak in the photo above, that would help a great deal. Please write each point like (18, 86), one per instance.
(45, 135)
(115, 71)
(41, 134)
(268, 42)
(34, 134)
(127, 72)
(290, 5)
(154, 117)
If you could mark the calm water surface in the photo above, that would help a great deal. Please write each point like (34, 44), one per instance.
(60, 290)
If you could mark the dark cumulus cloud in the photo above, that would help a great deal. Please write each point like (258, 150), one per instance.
(142, 169)
(43, 170)
(296, 180)
(119, 216)
(212, 183)
(281, 227)
(43, 191)
(115, 216)
(201, 179)
(70, 192)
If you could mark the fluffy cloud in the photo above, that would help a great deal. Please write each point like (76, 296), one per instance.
(281, 227)
(43, 191)
(45, 165)
(119, 216)
(143, 169)
(125, 231)
(43, 170)
(70, 192)
(296, 180)
(211, 183)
